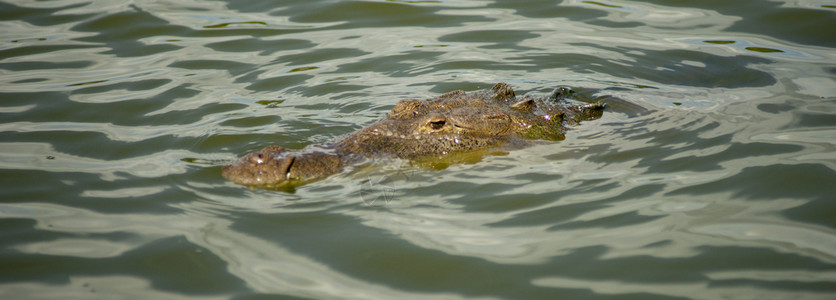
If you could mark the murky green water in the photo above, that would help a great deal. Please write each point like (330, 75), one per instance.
(115, 118)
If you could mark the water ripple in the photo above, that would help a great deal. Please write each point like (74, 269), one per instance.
(714, 182)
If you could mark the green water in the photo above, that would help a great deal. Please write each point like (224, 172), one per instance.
(115, 118)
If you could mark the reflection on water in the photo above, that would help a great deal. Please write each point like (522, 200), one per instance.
(115, 118)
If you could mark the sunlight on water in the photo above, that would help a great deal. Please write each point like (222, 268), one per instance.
(713, 180)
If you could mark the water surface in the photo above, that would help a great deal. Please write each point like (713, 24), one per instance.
(115, 118)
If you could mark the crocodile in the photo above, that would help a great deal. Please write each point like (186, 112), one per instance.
(415, 129)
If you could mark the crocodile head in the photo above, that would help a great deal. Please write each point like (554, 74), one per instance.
(457, 121)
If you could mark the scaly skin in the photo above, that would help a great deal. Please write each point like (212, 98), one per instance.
(453, 122)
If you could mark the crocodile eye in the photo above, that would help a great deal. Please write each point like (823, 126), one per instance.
(257, 158)
(436, 125)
